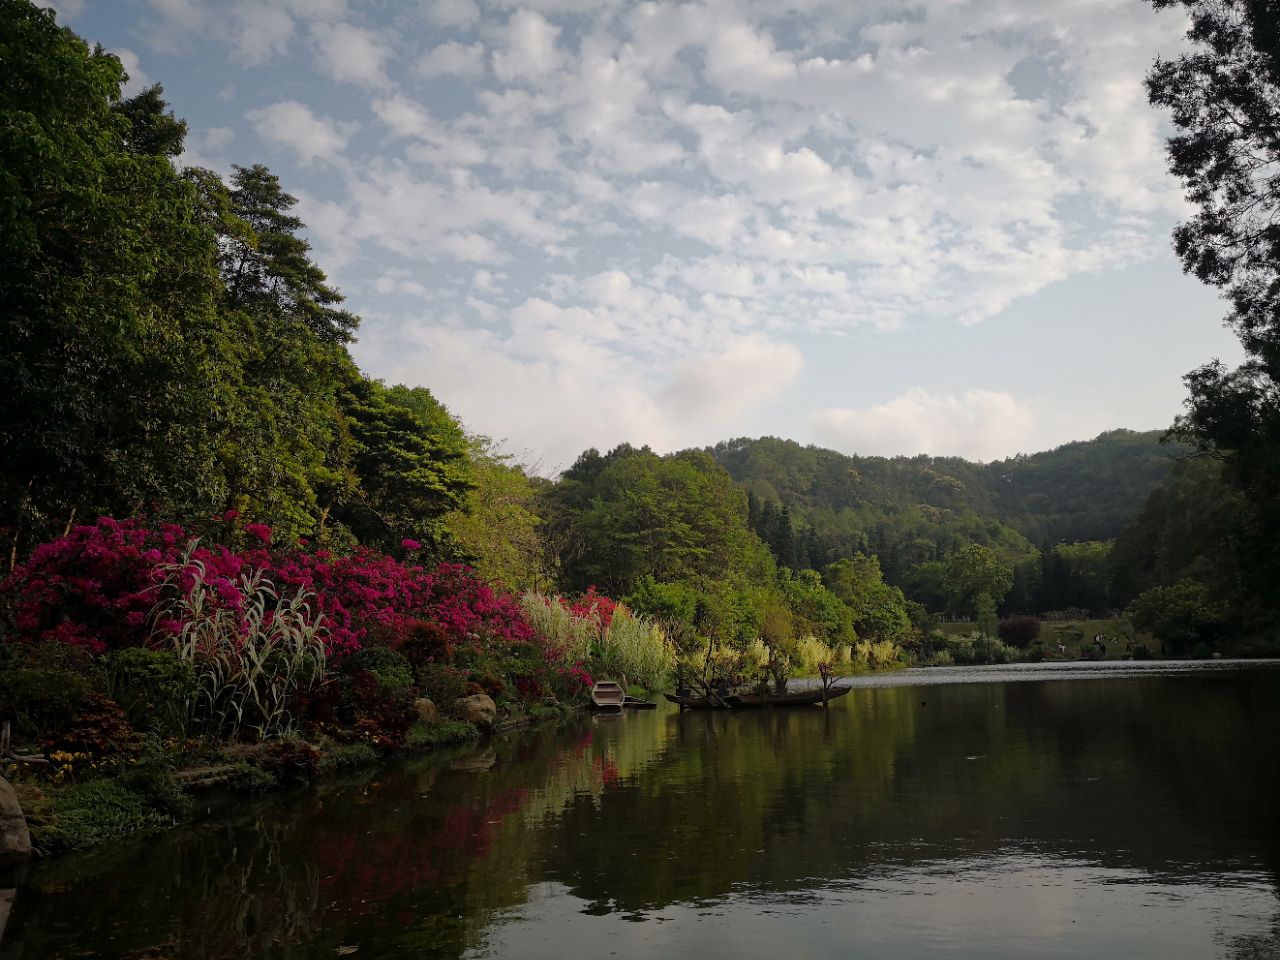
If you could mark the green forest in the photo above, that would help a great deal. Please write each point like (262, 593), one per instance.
(174, 353)
(183, 424)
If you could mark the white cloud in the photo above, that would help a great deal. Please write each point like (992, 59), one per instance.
(717, 388)
(978, 424)
(451, 59)
(529, 50)
(66, 9)
(292, 124)
(660, 181)
(352, 54)
(452, 13)
(138, 81)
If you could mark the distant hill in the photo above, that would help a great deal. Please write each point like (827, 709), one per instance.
(908, 510)
(1088, 490)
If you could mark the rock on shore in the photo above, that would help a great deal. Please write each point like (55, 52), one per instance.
(15, 838)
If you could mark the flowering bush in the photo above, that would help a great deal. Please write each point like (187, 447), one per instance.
(114, 585)
(98, 740)
(96, 586)
(92, 588)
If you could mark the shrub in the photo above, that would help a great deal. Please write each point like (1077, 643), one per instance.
(155, 689)
(423, 736)
(441, 683)
(42, 688)
(876, 654)
(391, 668)
(1019, 631)
(99, 739)
(152, 779)
(91, 588)
(290, 760)
(808, 653)
(569, 637)
(87, 814)
(346, 756)
(374, 714)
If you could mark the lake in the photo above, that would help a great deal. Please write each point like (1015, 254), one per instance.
(1074, 810)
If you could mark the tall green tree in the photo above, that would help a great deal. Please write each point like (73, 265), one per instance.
(1223, 96)
(113, 349)
(878, 611)
(974, 571)
(409, 458)
(285, 441)
(632, 513)
(499, 529)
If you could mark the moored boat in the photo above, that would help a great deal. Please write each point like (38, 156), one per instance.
(794, 698)
(608, 695)
(747, 701)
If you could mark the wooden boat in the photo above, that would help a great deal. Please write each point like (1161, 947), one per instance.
(608, 695)
(794, 698)
(635, 703)
(748, 701)
(695, 701)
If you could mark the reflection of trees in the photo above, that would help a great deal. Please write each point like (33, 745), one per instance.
(420, 857)
(1167, 776)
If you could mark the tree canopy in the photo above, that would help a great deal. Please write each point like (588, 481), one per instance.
(1223, 97)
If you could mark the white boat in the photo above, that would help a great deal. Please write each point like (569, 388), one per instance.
(608, 695)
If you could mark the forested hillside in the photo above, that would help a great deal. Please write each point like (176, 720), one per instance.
(815, 505)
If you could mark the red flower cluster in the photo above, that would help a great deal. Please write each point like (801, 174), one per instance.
(594, 606)
(96, 587)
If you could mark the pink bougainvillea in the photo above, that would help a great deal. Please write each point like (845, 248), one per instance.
(97, 586)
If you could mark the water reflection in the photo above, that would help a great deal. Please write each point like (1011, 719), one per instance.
(978, 819)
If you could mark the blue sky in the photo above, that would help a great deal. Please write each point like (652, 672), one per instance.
(886, 228)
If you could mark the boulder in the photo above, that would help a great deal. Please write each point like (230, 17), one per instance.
(7, 896)
(478, 708)
(15, 838)
(426, 710)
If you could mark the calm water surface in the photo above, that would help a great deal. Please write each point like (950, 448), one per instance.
(1093, 810)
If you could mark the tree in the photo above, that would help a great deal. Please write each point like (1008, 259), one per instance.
(988, 623)
(815, 608)
(1182, 616)
(973, 571)
(113, 351)
(499, 530)
(410, 461)
(878, 610)
(1224, 101)
(632, 513)
(269, 267)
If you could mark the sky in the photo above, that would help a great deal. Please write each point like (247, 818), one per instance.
(937, 227)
